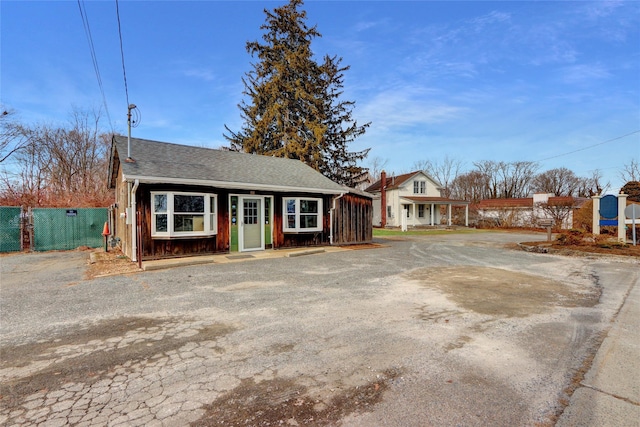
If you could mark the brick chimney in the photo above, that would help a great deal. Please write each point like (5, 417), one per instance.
(383, 199)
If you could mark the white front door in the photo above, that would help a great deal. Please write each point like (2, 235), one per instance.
(251, 224)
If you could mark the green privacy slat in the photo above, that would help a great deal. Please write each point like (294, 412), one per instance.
(64, 229)
(10, 229)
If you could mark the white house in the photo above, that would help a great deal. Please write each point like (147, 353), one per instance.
(413, 199)
(529, 211)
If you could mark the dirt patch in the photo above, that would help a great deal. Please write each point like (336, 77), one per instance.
(284, 402)
(587, 249)
(109, 263)
(500, 292)
(364, 246)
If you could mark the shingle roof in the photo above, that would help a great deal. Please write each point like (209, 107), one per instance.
(173, 163)
(442, 200)
(505, 203)
(393, 182)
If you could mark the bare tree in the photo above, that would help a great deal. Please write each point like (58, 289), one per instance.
(489, 170)
(445, 171)
(516, 178)
(422, 165)
(631, 171)
(558, 210)
(61, 166)
(471, 186)
(558, 181)
(590, 186)
(376, 166)
(28, 185)
(13, 135)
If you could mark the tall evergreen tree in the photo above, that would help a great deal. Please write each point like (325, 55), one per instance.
(294, 107)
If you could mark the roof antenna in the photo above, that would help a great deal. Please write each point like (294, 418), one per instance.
(130, 107)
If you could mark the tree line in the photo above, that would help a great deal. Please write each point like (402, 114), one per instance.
(491, 179)
(44, 165)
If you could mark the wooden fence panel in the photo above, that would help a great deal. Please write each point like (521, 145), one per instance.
(353, 220)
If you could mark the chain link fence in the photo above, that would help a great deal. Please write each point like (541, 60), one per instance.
(10, 229)
(46, 229)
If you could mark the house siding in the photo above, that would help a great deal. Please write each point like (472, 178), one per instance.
(170, 247)
(290, 179)
(399, 191)
(527, 212)
(122, 230)
(406, 190)
(353, 220)
(154, 248)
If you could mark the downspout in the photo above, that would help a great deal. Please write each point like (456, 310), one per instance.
(331, 217)
(134, 223)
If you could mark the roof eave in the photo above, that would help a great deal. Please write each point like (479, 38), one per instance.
(442, 201)
(228, 185)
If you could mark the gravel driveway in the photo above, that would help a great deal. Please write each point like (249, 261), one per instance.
(447, 330)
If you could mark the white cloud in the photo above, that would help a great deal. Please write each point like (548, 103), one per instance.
(601, 9)
(584, 73)
(365, 25)
(200, 73)
(490, 19)
(406, 107)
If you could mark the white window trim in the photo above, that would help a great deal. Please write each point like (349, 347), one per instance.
(210, 218)
(419, 187)
(297, 228)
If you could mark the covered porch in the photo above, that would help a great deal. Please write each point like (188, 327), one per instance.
(421, 211)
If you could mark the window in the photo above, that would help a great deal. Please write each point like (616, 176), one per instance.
(389, 212)
(420, 211)
(408, 209)
(301, 214)
(183, 214)
(419, 187)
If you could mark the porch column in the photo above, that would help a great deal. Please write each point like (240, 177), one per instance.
(431, 214)
(466, 215)
(622, 204)
(413, 220)
(595, 227)
(449, 214)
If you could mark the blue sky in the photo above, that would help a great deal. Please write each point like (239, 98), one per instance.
(478, 80)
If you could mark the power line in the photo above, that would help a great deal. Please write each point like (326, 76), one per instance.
(94, 59)
(124, 71)
(591, 146)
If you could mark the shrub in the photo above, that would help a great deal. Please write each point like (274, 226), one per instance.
(571, 237)
(606, 242)
(583, 217)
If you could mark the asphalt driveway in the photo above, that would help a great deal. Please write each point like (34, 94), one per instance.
(438, 330)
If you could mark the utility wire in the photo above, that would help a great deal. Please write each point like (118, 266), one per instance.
(124, 71)
(591, 146)
(94, 59)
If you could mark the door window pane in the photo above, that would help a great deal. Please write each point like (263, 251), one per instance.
(250, 212)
